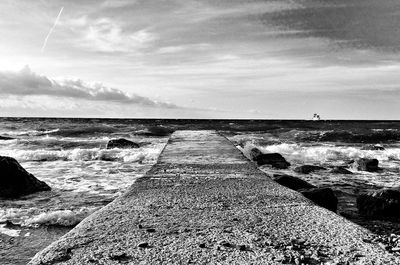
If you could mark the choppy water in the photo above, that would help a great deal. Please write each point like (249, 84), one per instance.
(299, 149)
(70, 155)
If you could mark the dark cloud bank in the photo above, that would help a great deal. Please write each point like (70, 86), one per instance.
(356, 23)
(28, 83)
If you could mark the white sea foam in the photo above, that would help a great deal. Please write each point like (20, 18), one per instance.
(85, 154)
(324, 153)
(59, 217)
(9, 232)
(34, 217)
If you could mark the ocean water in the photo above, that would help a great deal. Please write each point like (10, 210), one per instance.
(70, 155)
(301, 146)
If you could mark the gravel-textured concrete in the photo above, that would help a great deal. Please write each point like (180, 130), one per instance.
(205, 203)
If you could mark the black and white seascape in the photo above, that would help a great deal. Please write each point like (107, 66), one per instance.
(92, 92)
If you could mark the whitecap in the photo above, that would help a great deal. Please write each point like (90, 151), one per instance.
(59, 217)
(9, 232)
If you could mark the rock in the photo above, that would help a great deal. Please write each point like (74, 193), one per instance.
(226, 244)
(120, 257)
(15, 181)
(373, 147)
(156, 131)
(381, 203)
(121, 143)
(292, 182)
(340, 170)
(241, 247)
(255, 152)
(323, 197)
(274, 159)
(306, 169)
(366, 164)
(143, 245)
(5, 138)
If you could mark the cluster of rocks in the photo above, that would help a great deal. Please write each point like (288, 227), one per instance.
(15, 181)
(383, 203)
(323, 197)
(380, 203)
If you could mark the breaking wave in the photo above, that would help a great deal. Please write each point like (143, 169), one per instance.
(82, 154)
(49, 218)
(323, 153)
(59, 217)
(82, 131)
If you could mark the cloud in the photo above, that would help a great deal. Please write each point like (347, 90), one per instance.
(360, 24)
(27, 83)
(108, 36)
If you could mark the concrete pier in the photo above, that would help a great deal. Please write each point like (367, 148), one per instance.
(205, 203)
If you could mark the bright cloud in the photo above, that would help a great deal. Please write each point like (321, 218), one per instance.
(106, 35)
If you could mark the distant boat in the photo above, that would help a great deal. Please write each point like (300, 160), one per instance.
(316, 117)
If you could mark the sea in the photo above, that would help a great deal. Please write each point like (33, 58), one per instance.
(71, 156)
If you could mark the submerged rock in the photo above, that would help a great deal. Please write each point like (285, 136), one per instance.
(121, 143)
(274, 159)
(292, 182)
(306, 169)
(366, 164)
(156, 131)
(323, 197)
(381, 203)
(373, 147)
(340, 170)
(5, 138)
(15, 181)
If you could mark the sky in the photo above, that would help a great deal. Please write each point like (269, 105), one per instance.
(236, 59)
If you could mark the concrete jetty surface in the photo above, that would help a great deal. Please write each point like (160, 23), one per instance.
(205, 203)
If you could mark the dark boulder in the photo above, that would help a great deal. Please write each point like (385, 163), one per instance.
(292, 182)
(306, 169)
(15, 181)
(274, 159)
(5, 138)
(381, 203)
(254, 152)
(121, 143)
(373, 147)
(366, 164)
(323, 197)
(340, 170)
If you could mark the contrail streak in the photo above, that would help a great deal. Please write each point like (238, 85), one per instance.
(51, 30)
